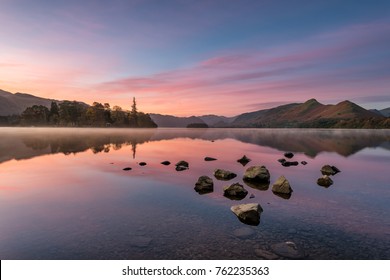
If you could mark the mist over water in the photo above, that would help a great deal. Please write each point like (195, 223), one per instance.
(64, 194)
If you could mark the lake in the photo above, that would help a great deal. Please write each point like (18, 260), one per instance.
(64, 194)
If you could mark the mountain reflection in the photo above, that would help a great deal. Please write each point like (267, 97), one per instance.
(24, 143)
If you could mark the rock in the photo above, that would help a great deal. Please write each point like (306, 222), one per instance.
(264, 254)
(325, 181)
(335, 169)
(235, 191)
(288, 155)
(252, 195)
(166, 162)
(209, 159)
(244, 160)
(248, 213)
(127, 168)
(204, 185)
(258, 174)
(282, 186)
(243, 232)
(225, 175)
(261, 186)
(290, 163)
(142, 163)
(303, 162)
(281, 160)
(329, 170)
(288, 250)
(182, 165)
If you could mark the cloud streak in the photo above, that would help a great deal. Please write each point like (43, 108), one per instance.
(326, 66)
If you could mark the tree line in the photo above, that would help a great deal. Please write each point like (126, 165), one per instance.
(75, 114)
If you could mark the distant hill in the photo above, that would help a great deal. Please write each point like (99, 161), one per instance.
(214, 120)
(313, 114)
(172, 121)
(385, 112)
(309, 114)
(14, 104)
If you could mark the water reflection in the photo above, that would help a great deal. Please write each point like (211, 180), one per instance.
(24, 143)
(85, 206)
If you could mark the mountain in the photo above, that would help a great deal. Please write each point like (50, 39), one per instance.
(385, 112)
(14, 104)
(172, 121)
(308, 114)
(313, 114)
(214, 120)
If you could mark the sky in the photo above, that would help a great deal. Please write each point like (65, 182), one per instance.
(194, 57)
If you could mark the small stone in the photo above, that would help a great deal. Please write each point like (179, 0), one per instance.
(127, 168)
(303, 162)
(235, 191)
(252, 195)
(248, 213)
(282, 186)
(166, 162)
(288, 155)
(142, 163)
(224, 175)
(182, 165)
(204, 185)
(209, 159)
(325, 181)
(281, 160)
(335, 169)
(258, 174)
(244, 160)
(329, 170)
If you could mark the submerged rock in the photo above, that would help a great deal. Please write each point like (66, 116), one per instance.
(182, 165)
(329, 170)
(243, 232)
(252, 195)
(258, 174)
(288, 154)
(282, 186)
(281, 160)
(166, 162)
(142, 163)
(209, 159)
(204, 185)
(264, 254)
(289, 250)
(303, 162)
(248, 213)
(325, 181)
(235, 191)
(224, 175)
(244, 160)
(127, 168)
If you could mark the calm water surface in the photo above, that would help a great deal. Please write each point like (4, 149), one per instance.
(64, 195)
